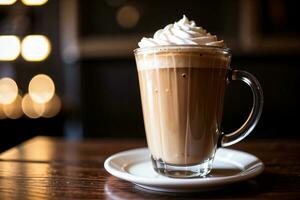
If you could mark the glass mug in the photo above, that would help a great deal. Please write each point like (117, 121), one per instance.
(182, 90)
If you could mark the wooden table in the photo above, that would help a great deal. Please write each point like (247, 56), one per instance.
(55, 168)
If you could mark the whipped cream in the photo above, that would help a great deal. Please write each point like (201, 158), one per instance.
(183, 32)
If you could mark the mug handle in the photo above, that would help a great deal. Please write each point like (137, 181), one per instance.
(236, 136)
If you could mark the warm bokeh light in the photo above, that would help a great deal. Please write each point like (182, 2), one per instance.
(8, 90)
(35, 48)
(39, 108)
(41, 88)
(9, 47)
(7, 2)
(128, 16)
(31, 108)
(2, 114)
(34, 2)
(52, 107)
(14, 109)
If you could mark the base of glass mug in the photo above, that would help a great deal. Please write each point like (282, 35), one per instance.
(187, 171)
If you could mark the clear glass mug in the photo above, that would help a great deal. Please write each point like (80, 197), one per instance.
(182, 90)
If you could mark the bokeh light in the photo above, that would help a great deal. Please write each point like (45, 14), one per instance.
(31, 108)
(41, 88)
(34, 2)
(2, 114)
(9, 47)
(7, 2)
(128, 16)
(52, 107)
(35, 48)
(14, 109)
(8, 90)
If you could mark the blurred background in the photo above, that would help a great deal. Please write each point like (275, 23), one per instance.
(67, 67)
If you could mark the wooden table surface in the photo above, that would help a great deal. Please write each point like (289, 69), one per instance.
(54, 168)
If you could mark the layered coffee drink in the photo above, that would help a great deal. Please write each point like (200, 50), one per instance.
(183, 71)
(182, 92)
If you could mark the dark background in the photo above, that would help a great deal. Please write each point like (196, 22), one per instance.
(98, 80)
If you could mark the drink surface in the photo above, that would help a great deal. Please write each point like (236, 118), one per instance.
(182, 98)
(164, 57)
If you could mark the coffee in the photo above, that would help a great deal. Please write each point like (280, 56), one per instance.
(183, 71)
(182, 97)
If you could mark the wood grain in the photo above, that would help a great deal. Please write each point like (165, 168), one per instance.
(49, 149)
(74, 170)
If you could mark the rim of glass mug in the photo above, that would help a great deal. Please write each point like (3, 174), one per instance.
(182, 48)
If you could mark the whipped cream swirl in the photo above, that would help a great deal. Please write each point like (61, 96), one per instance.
(183, 32)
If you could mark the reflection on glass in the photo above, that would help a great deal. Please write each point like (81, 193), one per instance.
(31, 108)
(34, 2)
(14, 109)
(35, 48)
(8, 90)
(41, 88)
(9, 47)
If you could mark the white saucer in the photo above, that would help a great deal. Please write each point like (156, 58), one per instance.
(229, 166)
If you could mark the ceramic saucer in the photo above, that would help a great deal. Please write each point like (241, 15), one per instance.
(229, 166)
